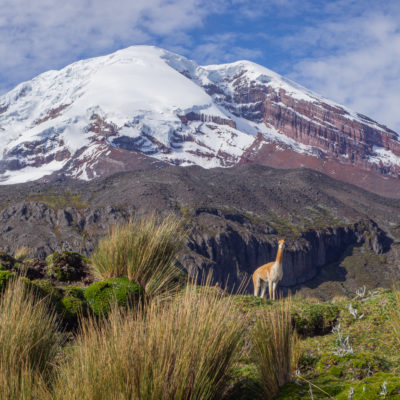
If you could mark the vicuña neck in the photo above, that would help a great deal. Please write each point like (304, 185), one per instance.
(279, 255)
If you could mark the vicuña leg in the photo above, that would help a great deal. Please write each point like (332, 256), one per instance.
(274, 289)
(263, 288)
(256, 283)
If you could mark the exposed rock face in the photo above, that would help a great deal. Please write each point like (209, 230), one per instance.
(332, 131)
(234, 255)
(236, 217)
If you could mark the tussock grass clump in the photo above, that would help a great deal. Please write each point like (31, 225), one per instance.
(144, 249)
(21, 253)
(275, 348)
(29, 342)
(182, 349)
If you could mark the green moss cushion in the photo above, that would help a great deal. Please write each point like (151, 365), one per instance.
(72, 307)
(100, 295)
(4, 277)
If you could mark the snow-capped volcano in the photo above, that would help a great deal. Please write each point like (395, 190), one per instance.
(143, 105)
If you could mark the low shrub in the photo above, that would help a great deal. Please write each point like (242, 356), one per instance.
(5, 276)
(72, 307)
(65, 266)
(7, 261)
(45, 289)
(100, 295)
(68, 302)
(315, 319)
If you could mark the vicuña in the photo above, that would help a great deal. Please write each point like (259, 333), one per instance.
(269, 274)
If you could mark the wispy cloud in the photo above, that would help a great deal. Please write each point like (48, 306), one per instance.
(356, 62)
(223, 48)
(44, 34)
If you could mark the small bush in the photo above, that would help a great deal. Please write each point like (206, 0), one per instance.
(182, 349)
(315, 319)
(72, 307)
(74, 291)
(6, 260)
(145, 250)
(46, 289)
(275, 348)
(5, 276)
(100, 295)
(68, 302)
(65, 266)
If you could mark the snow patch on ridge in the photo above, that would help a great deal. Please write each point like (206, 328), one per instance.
(30, 173)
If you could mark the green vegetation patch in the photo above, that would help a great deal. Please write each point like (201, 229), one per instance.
(68, 302)
(378, 386)
(72, 307)
(314, 319)
(351, 366)
(6, 261)
(100, 295)
(5, 276)
(57, 201)
(65, 266)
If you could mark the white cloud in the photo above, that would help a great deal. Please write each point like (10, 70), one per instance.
(356, 62)
(224, 47)
(39, 35)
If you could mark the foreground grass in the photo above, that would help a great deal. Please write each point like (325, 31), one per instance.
(179, 350)
(275, 348)
(204, 344)
(29, 343)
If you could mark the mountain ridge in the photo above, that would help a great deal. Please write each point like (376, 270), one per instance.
(145, 107)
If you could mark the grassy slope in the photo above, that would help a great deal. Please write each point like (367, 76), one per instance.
(375, 358)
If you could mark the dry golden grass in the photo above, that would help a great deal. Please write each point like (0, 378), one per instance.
(29, 342)
(21, 253)
(181, 349)
(275, 348)
(145, 250)
(22, 383)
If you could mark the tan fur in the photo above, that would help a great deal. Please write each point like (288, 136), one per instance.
(269, 274)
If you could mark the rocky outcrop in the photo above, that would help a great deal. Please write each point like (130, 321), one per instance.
(233, 255)
(232, 248)
(192, 116)
(346, 138)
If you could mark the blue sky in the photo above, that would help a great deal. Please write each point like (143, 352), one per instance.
(348, 51)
